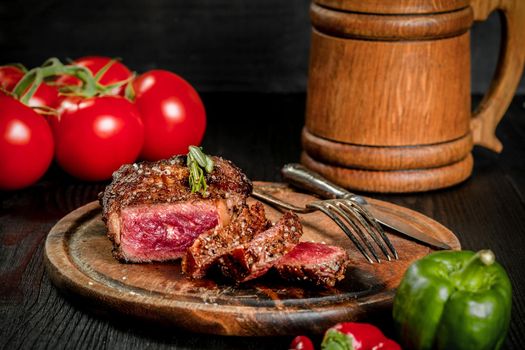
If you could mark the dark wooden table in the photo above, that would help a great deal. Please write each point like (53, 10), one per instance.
(260, 133)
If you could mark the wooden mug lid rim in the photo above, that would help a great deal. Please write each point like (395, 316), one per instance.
(395, 6)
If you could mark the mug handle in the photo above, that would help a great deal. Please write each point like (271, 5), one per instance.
(508, 72)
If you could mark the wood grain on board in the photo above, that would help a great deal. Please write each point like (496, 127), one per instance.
(79, 260)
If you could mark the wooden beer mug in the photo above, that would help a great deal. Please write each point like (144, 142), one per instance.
(388, 106)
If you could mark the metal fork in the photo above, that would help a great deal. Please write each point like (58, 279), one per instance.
(342, 211)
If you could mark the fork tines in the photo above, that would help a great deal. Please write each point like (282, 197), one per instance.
(358, 220)
(350, 216)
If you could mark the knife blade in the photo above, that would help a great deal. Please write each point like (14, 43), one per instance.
(297, 175)
(388, 220)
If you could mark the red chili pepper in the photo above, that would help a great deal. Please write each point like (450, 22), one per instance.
(301, 342)
(356, 336)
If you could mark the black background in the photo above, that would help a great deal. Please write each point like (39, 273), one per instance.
(218, 45)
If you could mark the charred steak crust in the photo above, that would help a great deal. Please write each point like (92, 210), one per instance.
(166, 181)
(213, 244)
(317, 263)
(254, 258)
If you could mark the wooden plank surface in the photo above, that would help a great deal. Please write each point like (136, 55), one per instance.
(260, 133)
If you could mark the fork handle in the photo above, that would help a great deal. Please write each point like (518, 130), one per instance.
(297, 175)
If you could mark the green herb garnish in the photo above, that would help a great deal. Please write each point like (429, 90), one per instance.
(198, 163)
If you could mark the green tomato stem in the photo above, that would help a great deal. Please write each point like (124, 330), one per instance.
(28, 85)
(104, 69)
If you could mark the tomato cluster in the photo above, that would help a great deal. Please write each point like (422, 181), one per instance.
(153, 116)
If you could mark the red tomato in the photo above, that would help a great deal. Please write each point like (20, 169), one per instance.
(116, 73)
(26, 145)
(172, 111)
(9, 77)
(301, 342)
(45, 96)
(96, 138)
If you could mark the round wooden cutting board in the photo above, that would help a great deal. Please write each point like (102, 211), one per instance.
(79, 261)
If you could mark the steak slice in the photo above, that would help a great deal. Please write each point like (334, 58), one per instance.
(213, 244)
(254, 258)
(152, 215)
(163, 231)
(317, 263)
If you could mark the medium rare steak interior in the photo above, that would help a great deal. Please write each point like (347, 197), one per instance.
(317, 263)
(152, 215)
(165, 231)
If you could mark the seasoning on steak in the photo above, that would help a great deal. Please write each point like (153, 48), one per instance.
(213, 244)
(317, 263)
(254, 258)
(152, 215)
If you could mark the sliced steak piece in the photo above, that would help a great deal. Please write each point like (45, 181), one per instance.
(254, 258)
(152, 215)
(213, 244)
(164, 231)
(317, 263)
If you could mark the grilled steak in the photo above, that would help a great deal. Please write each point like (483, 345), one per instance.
(317, 263)
(152, 215)
(254, 258)
(213, 244)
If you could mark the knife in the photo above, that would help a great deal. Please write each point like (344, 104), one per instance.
(297, 175)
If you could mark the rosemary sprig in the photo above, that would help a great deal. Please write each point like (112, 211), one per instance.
(198, 163)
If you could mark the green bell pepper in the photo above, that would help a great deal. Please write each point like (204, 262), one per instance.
(453, 300)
